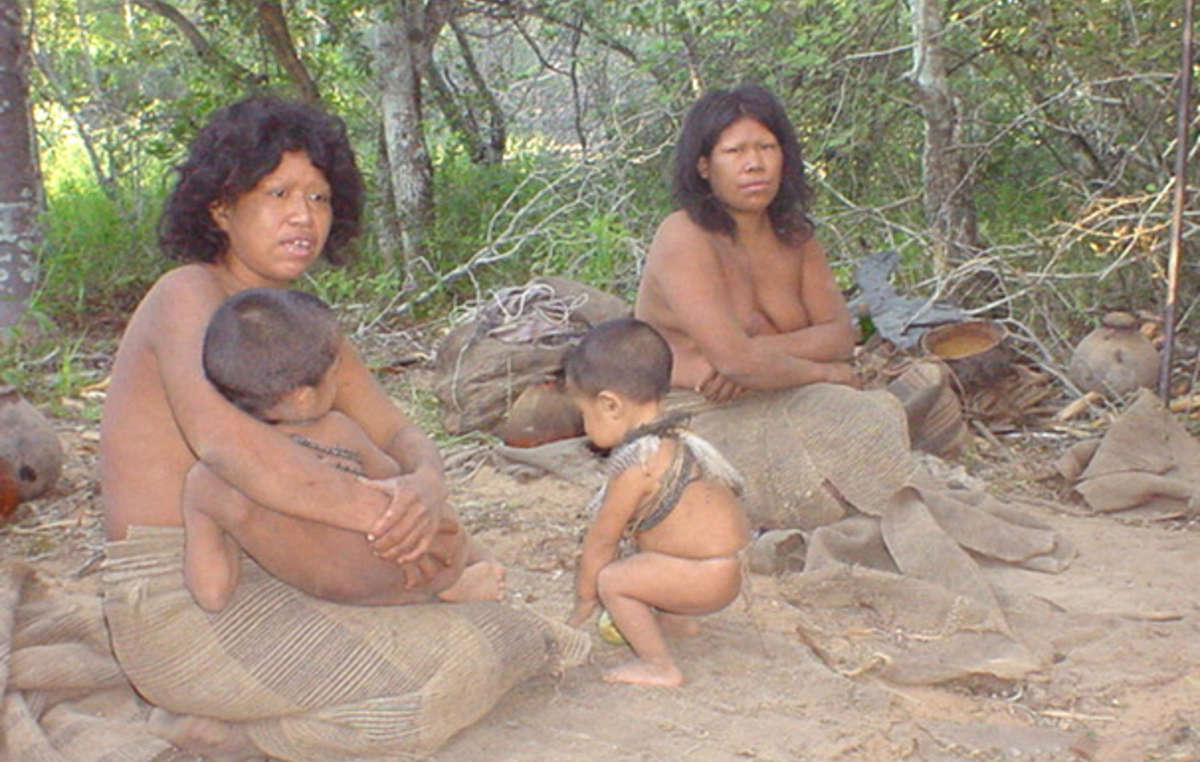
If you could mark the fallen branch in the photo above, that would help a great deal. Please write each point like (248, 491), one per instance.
(1188, 404)
(1078, 406)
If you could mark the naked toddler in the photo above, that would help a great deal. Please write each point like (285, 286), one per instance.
(667, 489)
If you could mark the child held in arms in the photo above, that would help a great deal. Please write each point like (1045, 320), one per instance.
(668, 490)
(274, 353)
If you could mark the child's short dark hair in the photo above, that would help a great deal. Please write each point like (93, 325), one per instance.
(264, 342)
(241, 144)
(626, 356)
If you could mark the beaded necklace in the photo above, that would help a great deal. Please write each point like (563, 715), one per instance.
(341, 453)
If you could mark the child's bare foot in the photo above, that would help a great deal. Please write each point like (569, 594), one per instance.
(639, 672)
(678, 625)
(481, 581)
(212, 739)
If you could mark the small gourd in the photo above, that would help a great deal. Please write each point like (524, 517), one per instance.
(1115, 358)
(28, 445)
(608, 629)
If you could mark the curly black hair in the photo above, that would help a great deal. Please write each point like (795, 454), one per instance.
(702, 127)
(241, 144)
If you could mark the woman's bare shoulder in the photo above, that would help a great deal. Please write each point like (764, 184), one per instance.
(810, 249)
(187, 277)
(678, 222)
(678, 236)
(181, 281)
(182, 296)
(182, 289)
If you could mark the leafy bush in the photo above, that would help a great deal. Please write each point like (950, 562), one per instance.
(100, 252)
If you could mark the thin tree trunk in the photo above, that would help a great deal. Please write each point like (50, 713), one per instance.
(58, 93)
(497, 135)
(274, 27)
(398, 52)
(20, 184)
(949, 197)
(485, 144)
(1183, 120)
(203, 48)
(687, 35)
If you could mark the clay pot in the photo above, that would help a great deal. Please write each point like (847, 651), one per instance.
(973, 349)
(1116, 358)
(541, 413)
(28, 445)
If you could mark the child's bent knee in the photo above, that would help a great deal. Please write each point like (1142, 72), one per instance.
(608, 583)
(205, 493)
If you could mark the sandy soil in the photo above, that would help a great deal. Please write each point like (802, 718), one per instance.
(1128, 689)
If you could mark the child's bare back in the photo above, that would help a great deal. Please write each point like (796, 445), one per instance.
(706, 522)
(339, 440)
(668, 489)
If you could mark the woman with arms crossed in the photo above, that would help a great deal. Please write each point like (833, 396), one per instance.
(734, 279)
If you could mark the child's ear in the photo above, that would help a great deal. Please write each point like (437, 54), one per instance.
(294, 404)
(609, 403)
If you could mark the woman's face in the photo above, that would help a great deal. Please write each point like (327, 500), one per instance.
(277, 228)
(744, 167)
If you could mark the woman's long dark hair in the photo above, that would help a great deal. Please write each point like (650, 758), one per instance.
(702, 127)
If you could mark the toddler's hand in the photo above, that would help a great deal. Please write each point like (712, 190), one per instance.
(583, 610)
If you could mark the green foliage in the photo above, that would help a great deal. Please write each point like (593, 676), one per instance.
(540, 212)
(50, 372)
(99, 253)
(595, 252)
(366, 286)
(1066, 109)
(468, 197)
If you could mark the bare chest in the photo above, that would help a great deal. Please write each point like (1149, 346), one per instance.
(766, 288)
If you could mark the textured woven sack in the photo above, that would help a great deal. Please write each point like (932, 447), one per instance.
(514, 341)
(808, 453)
(314, 680)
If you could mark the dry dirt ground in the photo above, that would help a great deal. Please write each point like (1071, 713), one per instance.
(1127, 691)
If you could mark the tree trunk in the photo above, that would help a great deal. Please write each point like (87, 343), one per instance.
(398, 53)
(273, 26)
(485, 145)
(945, 177)
(204, 50)
(20, 184)
(691, 46)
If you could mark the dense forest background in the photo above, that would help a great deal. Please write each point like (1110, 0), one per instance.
(1017, 154)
